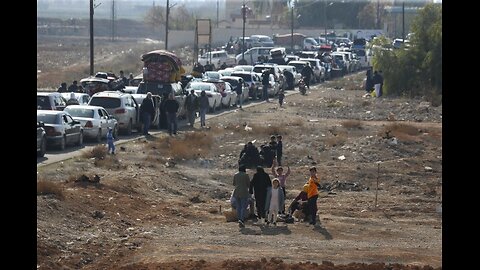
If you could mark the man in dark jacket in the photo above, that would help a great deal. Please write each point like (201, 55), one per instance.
(191, 106)
(63, 88)
(265, 83)
(307, 72)
(249, 156)
(171, 107)
(147, 112)
(259, 184)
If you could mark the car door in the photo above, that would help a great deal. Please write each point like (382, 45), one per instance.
(71, 129)
(103, 119)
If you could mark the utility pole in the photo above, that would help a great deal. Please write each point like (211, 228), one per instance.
(403, 21)
(244, 15)
(91, 37)
(217, 13)
(166, 26)
(113, 20)
(378, 14)
(291, 38)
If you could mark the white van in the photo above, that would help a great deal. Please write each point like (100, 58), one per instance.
(217, 58)
(251, 55)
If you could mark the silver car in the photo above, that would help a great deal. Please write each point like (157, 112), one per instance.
(61, 128)
(95, 121)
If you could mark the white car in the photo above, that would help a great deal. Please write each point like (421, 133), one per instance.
(234, 81)
(248, 68)
(95, 120)
(214, 97)
(225, 72)
(212, 75)
(217, 58)
(122, 106)
(229, 96)
(292, 69)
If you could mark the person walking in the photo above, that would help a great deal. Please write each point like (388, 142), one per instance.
(274, 202)
(377, 83)
(258, 186)
(369, 81)
(147, 112)
(191, 106)
(110, 140)
(171, 107)
(312, 195)
(265, 83)
(239, 91)
(203, 105)
(279, 150)
(380, 79)
(307, 72)
(241, 181)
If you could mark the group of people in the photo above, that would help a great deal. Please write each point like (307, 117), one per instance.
(374, 82)
(270, 195)
(250, 157)
(78, 88)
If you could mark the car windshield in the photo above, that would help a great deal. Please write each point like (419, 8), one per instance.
(79, 112)
(245, 77)
(48, 118)
(233, 82)
(199, 86)
(105, 102)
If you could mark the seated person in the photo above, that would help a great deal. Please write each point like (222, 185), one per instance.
(300, 203)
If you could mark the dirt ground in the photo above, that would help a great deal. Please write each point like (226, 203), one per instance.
(161, 202)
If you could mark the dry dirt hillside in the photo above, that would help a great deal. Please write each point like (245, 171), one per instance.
(160, 203)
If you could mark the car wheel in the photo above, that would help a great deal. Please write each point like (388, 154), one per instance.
(63, 143)
(129, 128)
(43, 147)
(99, 135)
(80, 139)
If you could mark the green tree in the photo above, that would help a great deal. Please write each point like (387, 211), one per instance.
(414, 70)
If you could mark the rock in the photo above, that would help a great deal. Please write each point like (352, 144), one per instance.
(123, 148)
(98, 214)
(428, 169)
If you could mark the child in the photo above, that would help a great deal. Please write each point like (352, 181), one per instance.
(312, 194)
(300, 203)
(282, 178)
(279, 150)
(275, 201)
(281, 96)
(110, 140)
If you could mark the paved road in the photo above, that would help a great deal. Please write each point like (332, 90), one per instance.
(54, 156)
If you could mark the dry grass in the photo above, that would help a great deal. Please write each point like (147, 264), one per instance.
(338, 140)
(193, 145)
(45, 187)
(109, 162)
(98, 152)
(401, 131)
(333, 102)
(352, 124)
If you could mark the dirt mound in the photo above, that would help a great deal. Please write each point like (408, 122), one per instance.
(272, 264)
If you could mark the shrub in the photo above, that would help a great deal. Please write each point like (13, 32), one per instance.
(45, 187)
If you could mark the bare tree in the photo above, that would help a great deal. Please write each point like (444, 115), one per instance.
(155, 17)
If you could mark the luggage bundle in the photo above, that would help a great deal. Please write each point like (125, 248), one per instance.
(162, 66)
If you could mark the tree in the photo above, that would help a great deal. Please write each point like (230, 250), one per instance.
(366, 16)
(182, 19)
(155, 17)
(415, 70)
